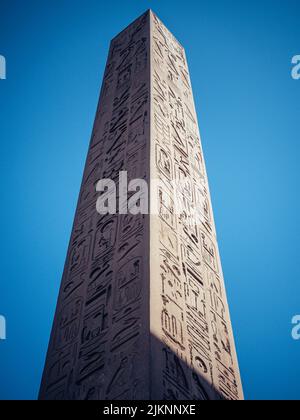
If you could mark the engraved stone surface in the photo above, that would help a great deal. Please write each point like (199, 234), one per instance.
(142, 310)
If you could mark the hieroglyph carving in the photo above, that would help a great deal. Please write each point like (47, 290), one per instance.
(142, 309)
(194, 345)
(97, 346)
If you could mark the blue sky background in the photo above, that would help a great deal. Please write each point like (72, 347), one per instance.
(248, 105)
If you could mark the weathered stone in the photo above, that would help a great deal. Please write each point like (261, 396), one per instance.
(142, 310)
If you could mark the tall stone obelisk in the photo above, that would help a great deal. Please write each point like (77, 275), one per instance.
(142, 310)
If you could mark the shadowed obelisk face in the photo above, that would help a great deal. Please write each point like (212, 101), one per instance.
(142, 311)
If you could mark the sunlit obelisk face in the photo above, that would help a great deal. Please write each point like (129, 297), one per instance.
(142, 310)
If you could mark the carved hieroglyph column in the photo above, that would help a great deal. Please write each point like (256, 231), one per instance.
(142, 310)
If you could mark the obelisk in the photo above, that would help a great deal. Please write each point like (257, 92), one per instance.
(142, 311)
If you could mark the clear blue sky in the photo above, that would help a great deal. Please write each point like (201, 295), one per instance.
(248, 105)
